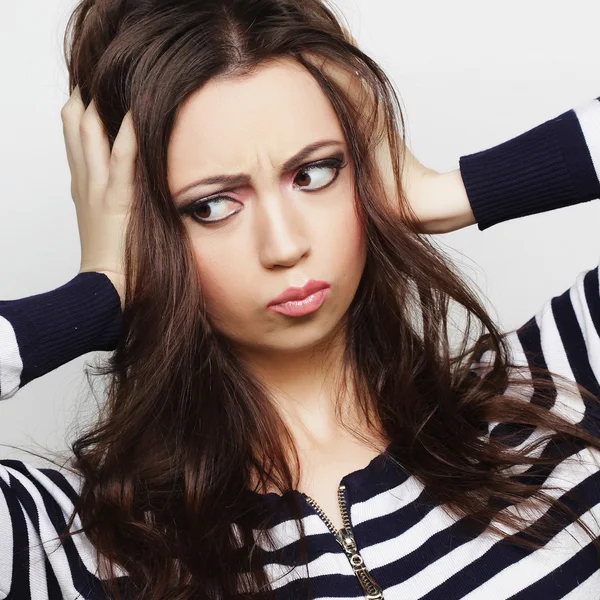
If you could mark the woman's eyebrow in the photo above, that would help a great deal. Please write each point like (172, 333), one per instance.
(242, 179)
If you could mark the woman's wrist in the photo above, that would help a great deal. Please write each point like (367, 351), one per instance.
(460, 215)
(445, 206)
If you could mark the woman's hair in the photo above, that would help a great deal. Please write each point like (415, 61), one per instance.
(185, 423)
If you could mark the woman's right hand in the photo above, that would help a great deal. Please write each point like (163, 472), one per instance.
(102, 187)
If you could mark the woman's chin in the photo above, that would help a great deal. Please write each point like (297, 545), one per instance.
(297, 337)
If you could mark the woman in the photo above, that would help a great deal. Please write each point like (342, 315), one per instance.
(285, 410)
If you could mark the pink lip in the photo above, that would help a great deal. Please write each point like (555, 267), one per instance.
(297, 302)
(295, 293)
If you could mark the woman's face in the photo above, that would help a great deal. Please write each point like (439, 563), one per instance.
(276, 217)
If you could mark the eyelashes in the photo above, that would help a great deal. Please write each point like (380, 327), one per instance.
(220, 208)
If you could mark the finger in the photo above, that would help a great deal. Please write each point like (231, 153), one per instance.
(96, 148)
(71, 115)
(124, 152)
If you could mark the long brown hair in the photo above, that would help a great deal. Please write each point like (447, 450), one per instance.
(184, 423)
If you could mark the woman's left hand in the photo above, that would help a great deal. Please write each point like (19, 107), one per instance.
(439, 201)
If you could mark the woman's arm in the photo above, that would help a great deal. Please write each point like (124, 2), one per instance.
(551, 166)
(554, 165)
(42, 332)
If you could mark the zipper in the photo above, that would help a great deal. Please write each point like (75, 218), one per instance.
(345, 538)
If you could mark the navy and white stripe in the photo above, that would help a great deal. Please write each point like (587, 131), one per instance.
(412, 548)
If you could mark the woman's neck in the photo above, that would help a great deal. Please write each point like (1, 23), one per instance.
(305, 388)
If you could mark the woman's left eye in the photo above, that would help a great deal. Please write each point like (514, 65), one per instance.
(320, 175)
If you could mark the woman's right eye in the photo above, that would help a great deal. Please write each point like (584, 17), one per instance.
(213, 210)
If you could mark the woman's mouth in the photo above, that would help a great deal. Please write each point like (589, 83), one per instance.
(297, 302)
(299, 308)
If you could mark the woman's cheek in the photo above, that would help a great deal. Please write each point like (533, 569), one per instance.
(352, 238)
(214, 282)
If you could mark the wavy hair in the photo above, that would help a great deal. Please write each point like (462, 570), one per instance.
(184, 423)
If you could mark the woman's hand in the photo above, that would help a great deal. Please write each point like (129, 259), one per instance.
(101, 186)
(438, 200)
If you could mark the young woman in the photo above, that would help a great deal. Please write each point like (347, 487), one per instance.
(286, 414)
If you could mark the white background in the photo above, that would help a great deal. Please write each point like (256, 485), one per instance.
(470, 75)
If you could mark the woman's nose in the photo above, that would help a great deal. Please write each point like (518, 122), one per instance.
(282, 234)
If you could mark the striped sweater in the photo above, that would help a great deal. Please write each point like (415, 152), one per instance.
(411, 547)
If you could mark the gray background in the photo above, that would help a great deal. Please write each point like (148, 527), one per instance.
(470, 75)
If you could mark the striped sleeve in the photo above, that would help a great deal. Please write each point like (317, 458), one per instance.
(564, 337)
(35, 505)
(554, 165)
(42, 332)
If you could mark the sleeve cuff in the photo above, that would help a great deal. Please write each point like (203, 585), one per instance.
(53, 328)
(549, 167)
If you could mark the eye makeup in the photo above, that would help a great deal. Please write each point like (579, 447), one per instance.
(335, 162)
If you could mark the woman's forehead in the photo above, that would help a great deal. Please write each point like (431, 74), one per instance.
(237, 124)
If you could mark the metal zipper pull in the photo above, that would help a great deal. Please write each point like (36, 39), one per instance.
(370, 588)
(345, 538)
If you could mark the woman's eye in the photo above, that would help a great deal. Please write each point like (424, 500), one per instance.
(310, 178)
(319, 176)
(214, 210)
